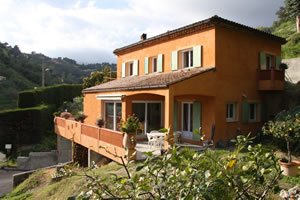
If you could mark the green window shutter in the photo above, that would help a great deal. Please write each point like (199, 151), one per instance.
(196, 119)
(174, 60)
(160, 63)
(264, 112)
(146, 65)
(262, 60)
(135, 67)
(123, 70)
(278, 61)
(197, 56)
(175, 117)
(245, 112)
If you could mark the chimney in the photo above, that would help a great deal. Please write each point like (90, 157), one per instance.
(298, 24)
(143, 36)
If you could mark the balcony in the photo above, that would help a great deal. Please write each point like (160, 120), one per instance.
(92, 137)
(271, 79)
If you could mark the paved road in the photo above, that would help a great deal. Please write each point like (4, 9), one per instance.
(6, 181)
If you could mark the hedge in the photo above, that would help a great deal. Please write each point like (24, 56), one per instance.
(56, 95)
(25, 126)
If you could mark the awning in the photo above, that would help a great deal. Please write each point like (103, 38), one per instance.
(110, 97)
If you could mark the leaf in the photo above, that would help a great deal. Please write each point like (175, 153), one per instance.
(139, 168)
(207, 174)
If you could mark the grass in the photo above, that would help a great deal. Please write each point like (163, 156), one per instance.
(11, 163)
(40, 185)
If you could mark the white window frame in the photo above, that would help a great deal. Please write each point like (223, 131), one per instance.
(130, 71)
(153, 61)
(255, 112)
(234, 111)
(146, 112)
(115, 112)
(190, 58)
(271, 57)
(189, 117)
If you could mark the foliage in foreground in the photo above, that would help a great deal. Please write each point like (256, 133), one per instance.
(193, 175)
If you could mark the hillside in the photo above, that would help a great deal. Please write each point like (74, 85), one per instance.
(288, 31)
(20, 71)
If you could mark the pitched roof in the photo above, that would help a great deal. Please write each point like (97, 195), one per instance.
(204, 24)
(151, 81)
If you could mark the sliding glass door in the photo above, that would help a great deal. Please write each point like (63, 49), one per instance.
(113, 115)
(149, 114)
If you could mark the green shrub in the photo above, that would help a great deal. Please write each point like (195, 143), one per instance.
(25, 126)
(56, 95)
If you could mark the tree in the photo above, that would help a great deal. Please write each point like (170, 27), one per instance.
(96, 78)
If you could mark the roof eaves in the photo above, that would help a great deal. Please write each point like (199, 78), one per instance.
(215, 20)
(124, 88)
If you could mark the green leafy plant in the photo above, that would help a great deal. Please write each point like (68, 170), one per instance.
(193, 175)
(100, 123)
(284, 127)
(130, 125)
(81, 117)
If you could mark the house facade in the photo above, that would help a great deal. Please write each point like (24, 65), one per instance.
(211, 74)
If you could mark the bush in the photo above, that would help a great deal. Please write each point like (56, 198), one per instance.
(56, 95)
(25, 126)
(193, 175)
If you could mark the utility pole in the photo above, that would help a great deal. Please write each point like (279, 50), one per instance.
(43, 75)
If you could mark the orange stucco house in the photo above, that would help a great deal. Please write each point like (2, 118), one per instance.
(211, 73)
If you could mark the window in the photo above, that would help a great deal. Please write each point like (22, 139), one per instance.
(130, 70)
(154, 64)
(149, 114)
(269, 61)
(187, 120)
(231, 112)
(113, 115)
(252, 111)
(187, 58)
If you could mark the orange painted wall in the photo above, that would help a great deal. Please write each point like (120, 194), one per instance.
(237, 59)
(205, 38)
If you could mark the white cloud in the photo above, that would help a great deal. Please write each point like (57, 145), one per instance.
(80, 30)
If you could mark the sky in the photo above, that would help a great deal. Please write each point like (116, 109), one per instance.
(89, 30)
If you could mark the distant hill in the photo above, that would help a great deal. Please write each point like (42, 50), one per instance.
(288, 30)
(20, 71)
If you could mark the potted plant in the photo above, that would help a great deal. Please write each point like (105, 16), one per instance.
(81, 118)
(129, 128)
(285, 127)
(100, 123)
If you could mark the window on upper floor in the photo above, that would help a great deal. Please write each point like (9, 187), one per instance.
(130, 68)
(269, 61)
(187, 58)
(154, 64)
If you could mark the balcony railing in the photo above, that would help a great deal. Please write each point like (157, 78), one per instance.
(271, 79)
(92, 137)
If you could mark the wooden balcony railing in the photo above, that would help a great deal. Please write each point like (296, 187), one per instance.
(92, 137)
(271, 79)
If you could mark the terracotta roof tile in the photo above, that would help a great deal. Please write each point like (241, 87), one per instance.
(155, 80)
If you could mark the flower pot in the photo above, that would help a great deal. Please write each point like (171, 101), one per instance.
(129, 140)
(289, 169)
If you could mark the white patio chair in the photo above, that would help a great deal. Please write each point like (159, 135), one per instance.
(151, 140)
